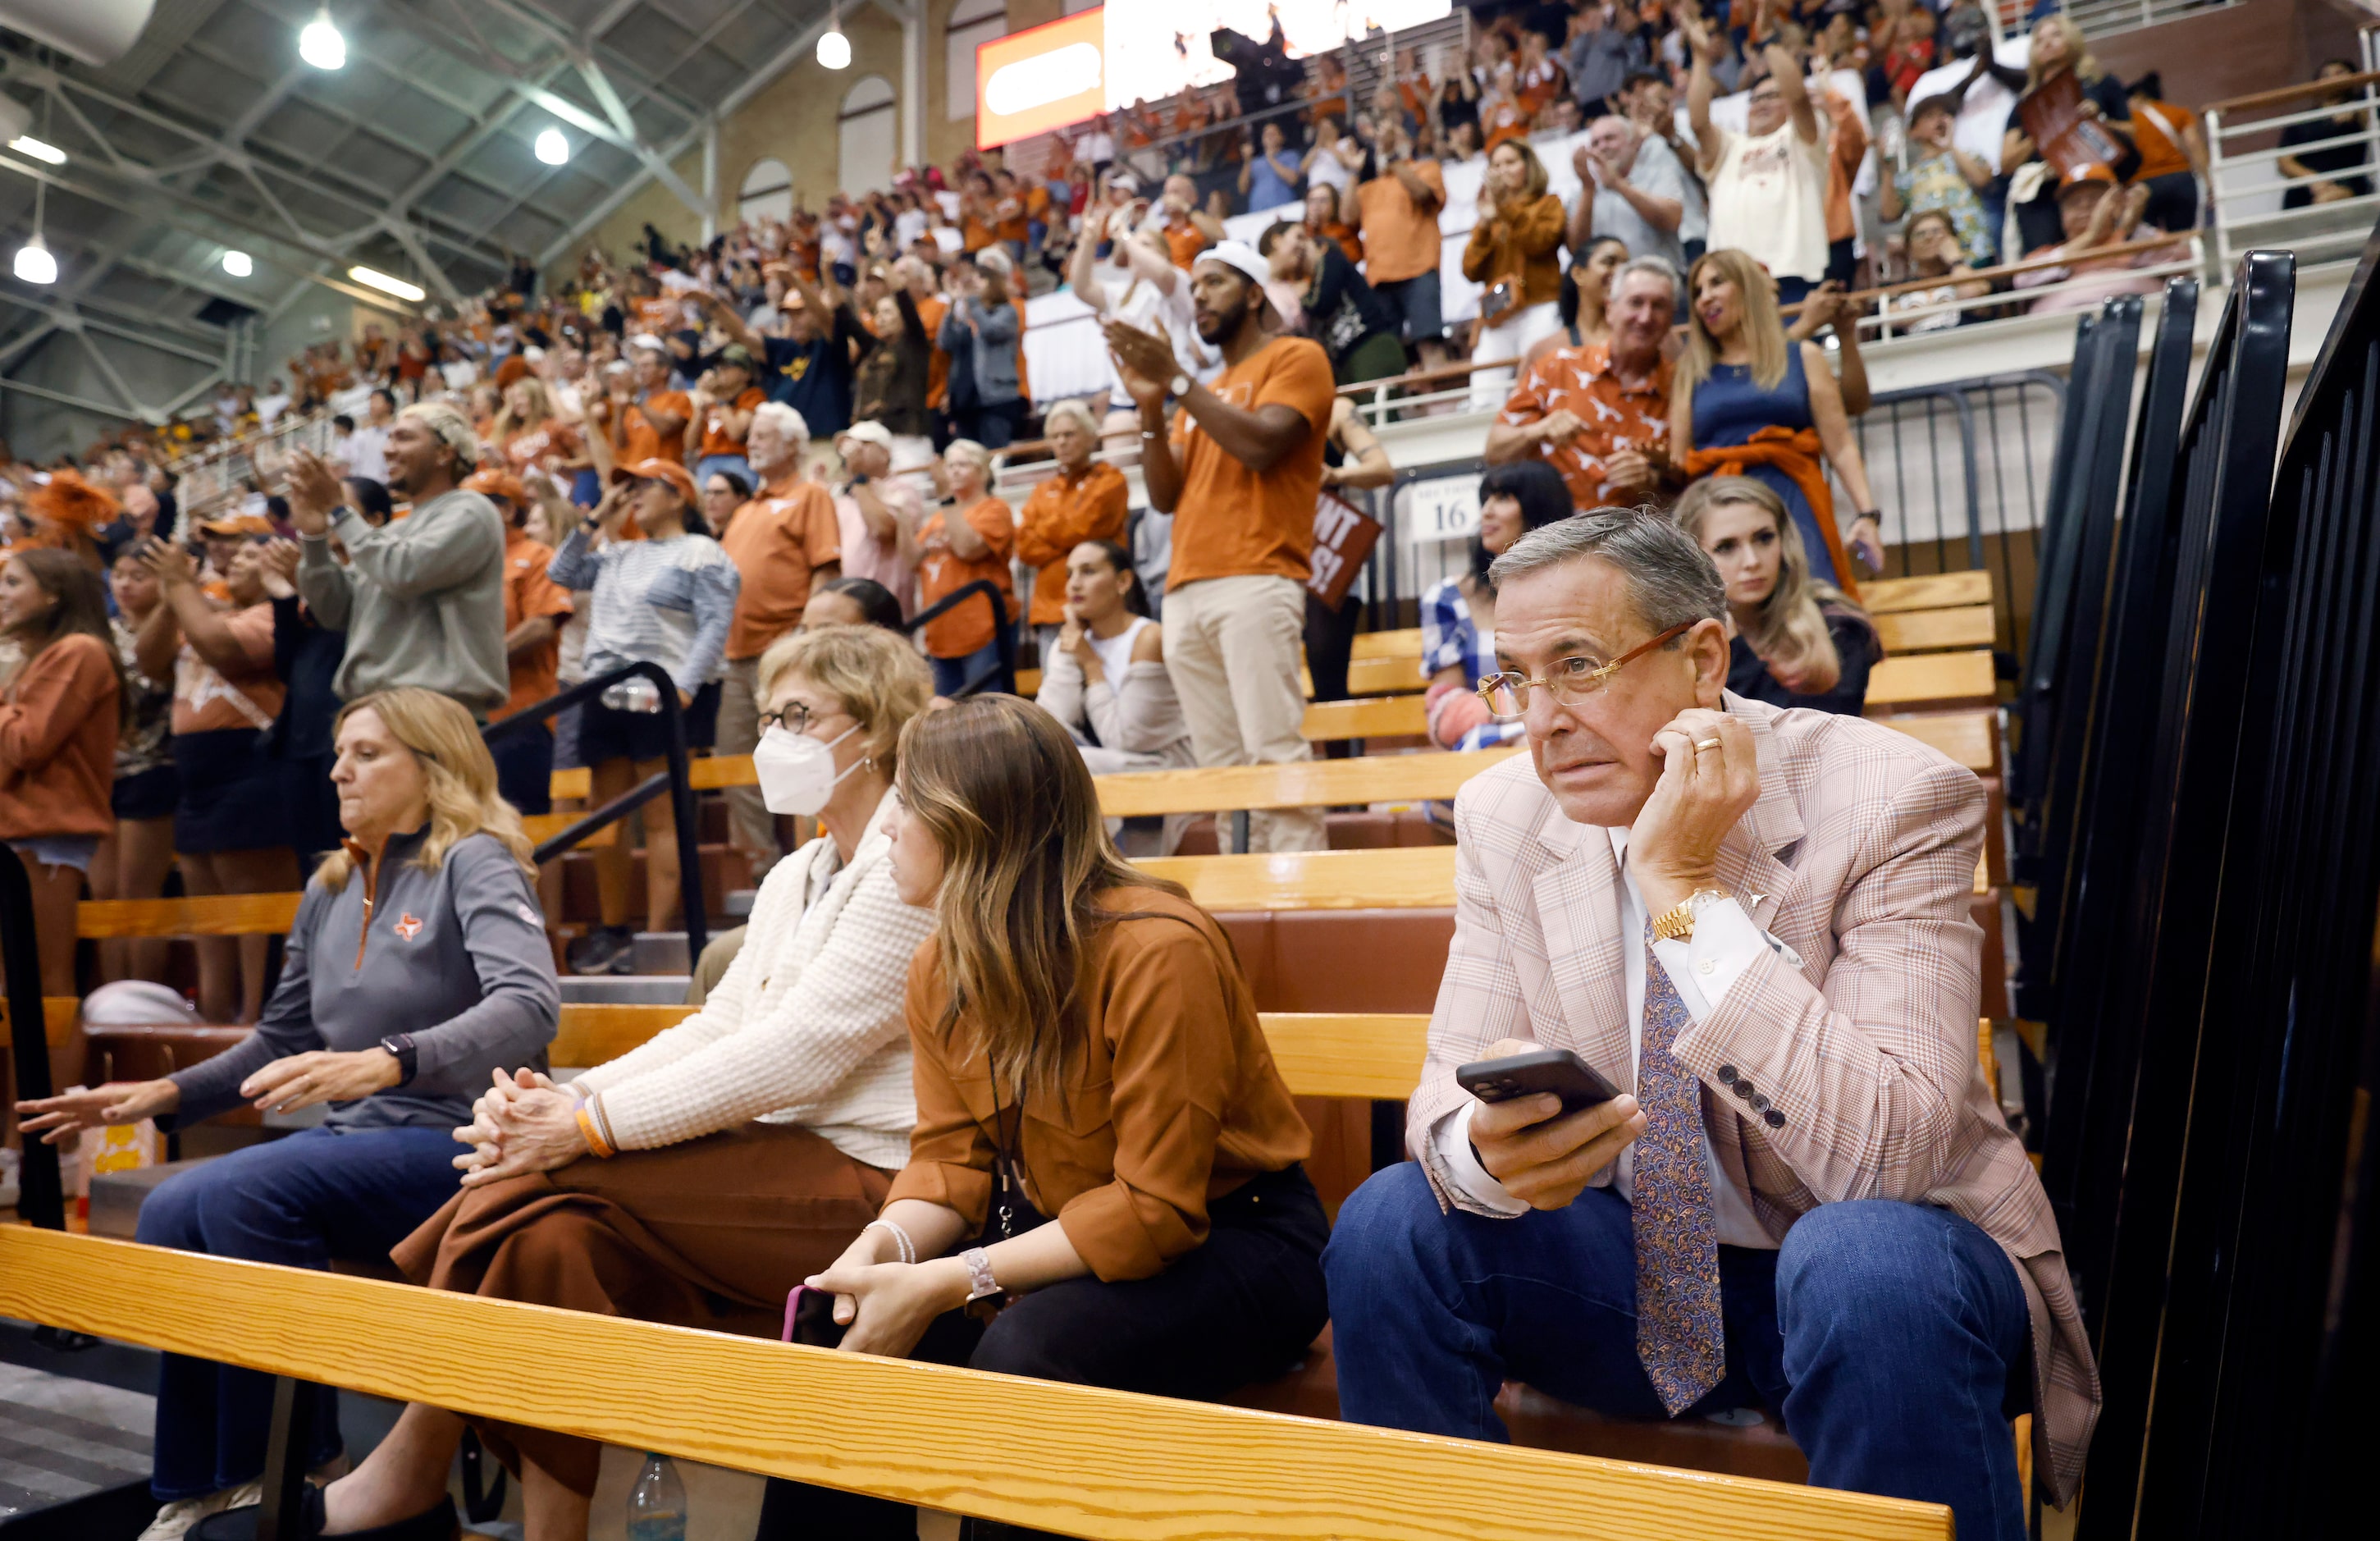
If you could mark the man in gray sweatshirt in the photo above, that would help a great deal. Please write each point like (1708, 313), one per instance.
(421, 599)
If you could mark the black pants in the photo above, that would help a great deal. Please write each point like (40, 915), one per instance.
(1330, 648)
(524, 769)
(2173, 202)
(1241, 1308)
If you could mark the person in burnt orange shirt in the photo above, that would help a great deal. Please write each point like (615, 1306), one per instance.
(536, 609)
(970, 539)
(1088, 499)
(648, 419)
(1598, 414)
(1241, 474)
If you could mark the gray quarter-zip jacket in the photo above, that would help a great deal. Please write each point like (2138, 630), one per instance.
(457, 957)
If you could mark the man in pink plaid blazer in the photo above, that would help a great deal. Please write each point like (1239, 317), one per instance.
(1754, 923)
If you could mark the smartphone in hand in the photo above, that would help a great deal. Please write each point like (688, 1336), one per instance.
(809, 1319)
(1578, 1083)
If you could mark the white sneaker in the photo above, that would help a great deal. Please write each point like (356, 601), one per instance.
(174, 1520)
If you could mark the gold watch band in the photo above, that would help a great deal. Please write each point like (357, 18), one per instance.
(1677, 922)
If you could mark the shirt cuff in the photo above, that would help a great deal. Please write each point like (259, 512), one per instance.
(1725, 944)
(1451, 1134)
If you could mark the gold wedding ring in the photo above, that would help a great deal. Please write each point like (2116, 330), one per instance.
(1707, 742)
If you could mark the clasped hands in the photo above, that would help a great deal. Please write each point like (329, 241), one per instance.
(525, 1122)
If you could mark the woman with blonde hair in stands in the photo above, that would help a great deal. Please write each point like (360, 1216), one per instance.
(416, 967)
(1798, 642)
(1105, 1153)
(1515, 256)
(530, 438)
(697, 1178)
(969, 540)
(1746, 400)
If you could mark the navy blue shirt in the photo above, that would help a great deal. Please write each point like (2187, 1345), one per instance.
(814, 378)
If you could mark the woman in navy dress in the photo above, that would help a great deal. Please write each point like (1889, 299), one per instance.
(1749, 401)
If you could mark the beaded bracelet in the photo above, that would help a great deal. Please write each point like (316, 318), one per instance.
(900, 1238)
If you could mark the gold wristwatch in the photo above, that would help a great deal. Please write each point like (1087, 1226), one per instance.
(1677, 923)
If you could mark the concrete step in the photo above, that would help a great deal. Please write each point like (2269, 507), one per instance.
(737, 905)
(663, 953)
(624, 989)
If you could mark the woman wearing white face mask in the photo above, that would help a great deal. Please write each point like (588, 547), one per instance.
(698, 1178)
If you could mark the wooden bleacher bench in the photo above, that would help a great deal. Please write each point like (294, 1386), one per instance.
(1412, 878)
(57, 1021)
(1368, 717)
(1921, 631)
(1931, 591)
(1111, 1465)
(1305, 783)
(1969, 739)
(1932, 681)
(220, 914)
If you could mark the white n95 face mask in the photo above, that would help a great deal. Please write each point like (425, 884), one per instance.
(797, 771)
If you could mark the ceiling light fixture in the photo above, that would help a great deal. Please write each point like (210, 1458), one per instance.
(552, 148)
(321, 44)
(373, 278)
(25, 144)
(34, 264)
(238, 263)
(834, 48)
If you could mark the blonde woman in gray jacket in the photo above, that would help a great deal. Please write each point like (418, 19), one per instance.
(1106, 681)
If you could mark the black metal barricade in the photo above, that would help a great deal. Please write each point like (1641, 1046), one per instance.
(674, 780)
(2254, 1427)
(2066, 970)
(2054, 697)
(1003, 675)
(40, 1199)
(2213, 697)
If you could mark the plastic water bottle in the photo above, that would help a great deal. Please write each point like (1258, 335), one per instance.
(634, 694)
(656, 1506)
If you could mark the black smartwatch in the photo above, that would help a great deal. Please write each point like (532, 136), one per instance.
(407, 1058)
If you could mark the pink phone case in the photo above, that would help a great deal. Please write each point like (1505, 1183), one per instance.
(793, 1303)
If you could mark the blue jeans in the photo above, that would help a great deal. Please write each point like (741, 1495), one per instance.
(1888, 1336)
(950, 674)
(301, 1201)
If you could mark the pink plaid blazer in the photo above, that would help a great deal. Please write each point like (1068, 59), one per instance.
(1861, 856)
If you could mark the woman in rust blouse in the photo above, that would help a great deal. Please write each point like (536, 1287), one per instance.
(1086, 1028)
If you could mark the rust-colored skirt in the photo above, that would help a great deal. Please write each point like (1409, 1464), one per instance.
(711, 1234)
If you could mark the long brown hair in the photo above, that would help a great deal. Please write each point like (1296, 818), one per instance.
(1789, 632)
(80, 610)
(460, 774)
(1002, 790)
(1764, 329)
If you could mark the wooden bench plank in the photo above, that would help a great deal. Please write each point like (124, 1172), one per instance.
(1930, 591)
(1357, 1054)
(704, 773)
(221, 915)
(1921, 631)
(1368, 717)
(1406, 878)
(1381, 674)
(1405, 642)
(1300, 784)
(543, 827)
(57, 1021)
(1109, 1466)
(1969, 739)
(1932, 680)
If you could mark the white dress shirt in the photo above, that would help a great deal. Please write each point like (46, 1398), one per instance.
(1726, 942)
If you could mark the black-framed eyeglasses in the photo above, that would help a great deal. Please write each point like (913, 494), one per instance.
(794, 718)
(1568, 680)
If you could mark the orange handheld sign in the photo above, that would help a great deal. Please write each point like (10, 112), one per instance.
(1041, 78)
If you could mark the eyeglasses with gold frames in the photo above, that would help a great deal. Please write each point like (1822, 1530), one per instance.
(1569, 681)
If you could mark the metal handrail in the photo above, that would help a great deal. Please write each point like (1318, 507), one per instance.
(1003, 635)
(40, 1197)
(675, 779)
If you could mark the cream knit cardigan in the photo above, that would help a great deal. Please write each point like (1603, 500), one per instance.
(806, 1028)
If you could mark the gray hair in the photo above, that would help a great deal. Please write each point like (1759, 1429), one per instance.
(1077, 411)
(1659, 267)
(1670, 581)
(784, 419)
(452, 429)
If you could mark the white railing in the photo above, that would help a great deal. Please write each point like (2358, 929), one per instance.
(220, 473)
(2098, 18)
(2251, 190)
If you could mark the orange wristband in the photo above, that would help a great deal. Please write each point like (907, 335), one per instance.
(596, 1144)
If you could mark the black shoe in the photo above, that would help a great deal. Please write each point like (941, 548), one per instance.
(435, 1523)
(601, 950)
